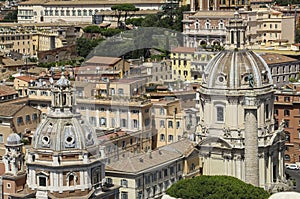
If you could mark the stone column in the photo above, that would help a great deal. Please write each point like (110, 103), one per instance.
(251, 142)
(193, 5)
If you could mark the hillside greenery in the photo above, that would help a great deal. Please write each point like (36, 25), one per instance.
(215, 187)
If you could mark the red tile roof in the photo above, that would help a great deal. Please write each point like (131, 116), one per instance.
(7, 90)
(26, 78)
(183, 50)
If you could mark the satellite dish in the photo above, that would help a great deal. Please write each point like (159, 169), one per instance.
(51, 80)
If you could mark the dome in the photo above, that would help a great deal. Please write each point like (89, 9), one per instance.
(63, 129)
(64, 133)
(240, 69)
(13, 139)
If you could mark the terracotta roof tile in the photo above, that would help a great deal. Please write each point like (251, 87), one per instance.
(26, 78)
(7, 90)
(9, 110)
(103, 60)
(272, 58)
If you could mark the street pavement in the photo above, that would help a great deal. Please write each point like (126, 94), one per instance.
(294, 174)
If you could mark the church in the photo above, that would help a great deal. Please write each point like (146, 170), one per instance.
(65, 159)
(236, 135)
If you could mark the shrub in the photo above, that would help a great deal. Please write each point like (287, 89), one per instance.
(215, 187)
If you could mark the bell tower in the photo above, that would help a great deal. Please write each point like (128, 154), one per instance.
(236, 30)
(14, 178)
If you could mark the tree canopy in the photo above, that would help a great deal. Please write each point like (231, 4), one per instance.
(215, 187)
(123, 9)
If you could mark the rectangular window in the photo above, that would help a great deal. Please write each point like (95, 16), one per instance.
(220, 114)
(171, 138)
(276, 112)
(103, 121)
(177, 124)
(124, 195)
(286, 112)
(1, 138)
(147, 122)
(170, 124)
(286, 123)
(165, 172)
(159, 175)
(124, 123)
(286, 99)
(42, 181)
(162, 123)
(135, 123)
(162, 111)
(120, 91)
(267, 111)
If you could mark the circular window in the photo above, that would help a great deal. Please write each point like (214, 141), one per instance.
(221, 79)
(45, 140)
(70, 139)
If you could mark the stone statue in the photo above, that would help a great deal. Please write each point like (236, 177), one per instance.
(251, 80)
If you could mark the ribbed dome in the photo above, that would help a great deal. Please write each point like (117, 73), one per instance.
(63, 129)
(13, 139)
(235, 69)
(64, 133)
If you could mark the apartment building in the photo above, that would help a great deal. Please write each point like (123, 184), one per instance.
(287, 109)
(28, 41)
(19, 119)
(21, 84)
(217, 4)
(98, 67)
(119, 143)
(264, 28)
(274, 28)
(78, 11)
(158, 72)
(188, 64)
(181, 58)
(283, 68)
(168, 121)
(7, 93)
(149, 175)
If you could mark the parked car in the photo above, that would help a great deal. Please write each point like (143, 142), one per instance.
(292, 167)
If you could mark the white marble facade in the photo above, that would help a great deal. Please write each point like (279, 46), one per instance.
(236, 134)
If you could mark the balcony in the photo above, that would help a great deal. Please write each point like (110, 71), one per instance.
(206, 32)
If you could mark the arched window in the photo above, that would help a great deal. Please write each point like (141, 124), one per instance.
(71, 179)
(287, 136)
(162, 137)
